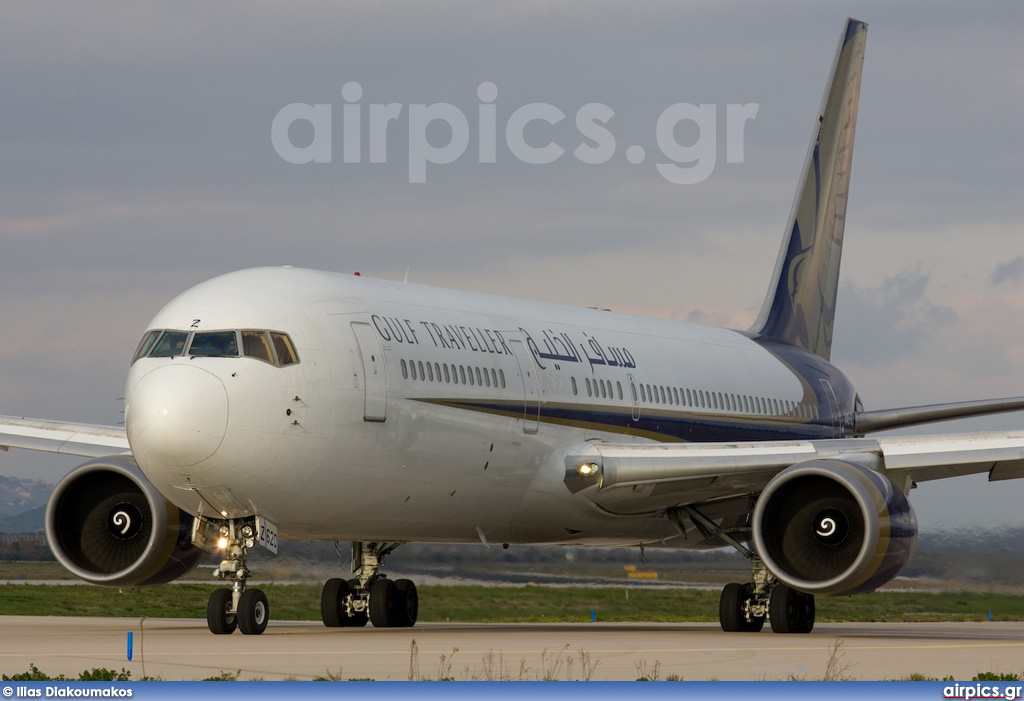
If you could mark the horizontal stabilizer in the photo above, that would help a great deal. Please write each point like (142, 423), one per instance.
(869, 421)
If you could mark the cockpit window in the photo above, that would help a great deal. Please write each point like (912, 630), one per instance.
(255, 344)
(271, 347)
(283, 346)
(214, 344)
(171, 343)
(146, 344)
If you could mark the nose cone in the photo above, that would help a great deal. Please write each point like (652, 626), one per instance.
(177, 415)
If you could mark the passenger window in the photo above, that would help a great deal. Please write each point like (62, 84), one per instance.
(501, 377)
(618, 386)
(494, 377)
(146, 345)
(462, 374)
(256, 345)
(447, 375)
(405, 370)
(283, 347)
(478, 381)
(575, 390)
(412, 366)
(171, 344)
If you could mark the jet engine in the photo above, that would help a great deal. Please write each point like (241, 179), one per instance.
(833, 527)
(108, 525)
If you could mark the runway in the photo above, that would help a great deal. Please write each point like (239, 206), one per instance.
(183, 649)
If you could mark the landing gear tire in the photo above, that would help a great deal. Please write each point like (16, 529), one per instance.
(253, 612)
(219, 617)
(408, 604)
(393, 604)
(383, 603)
(731, 609)
(332, 603)
(791, 611)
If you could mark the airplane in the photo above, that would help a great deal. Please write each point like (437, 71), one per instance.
(308, 405)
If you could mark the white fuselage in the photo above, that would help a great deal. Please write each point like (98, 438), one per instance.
(417, 413)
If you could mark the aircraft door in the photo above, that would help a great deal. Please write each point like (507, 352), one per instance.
(375, 380)
(634, 397)
(531, 386)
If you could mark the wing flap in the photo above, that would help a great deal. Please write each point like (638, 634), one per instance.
(999, 453)
(85, 440)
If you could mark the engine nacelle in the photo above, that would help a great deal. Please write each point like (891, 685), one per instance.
(108, 525)
(834, 527)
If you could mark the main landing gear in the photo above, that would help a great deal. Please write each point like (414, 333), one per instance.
(369, 596)
(237, 607)
(746, 607)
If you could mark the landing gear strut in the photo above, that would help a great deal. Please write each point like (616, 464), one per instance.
(369, 596)
(237, 607)
(746, 607)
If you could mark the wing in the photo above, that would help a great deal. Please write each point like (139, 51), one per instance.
(645, 478)
(66, 438)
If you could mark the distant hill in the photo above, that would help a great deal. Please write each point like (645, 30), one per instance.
(27, 522)
(20, 495)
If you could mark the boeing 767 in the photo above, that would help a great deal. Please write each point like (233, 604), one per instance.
(308, 405)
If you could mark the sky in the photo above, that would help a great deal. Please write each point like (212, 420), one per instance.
(140, 158)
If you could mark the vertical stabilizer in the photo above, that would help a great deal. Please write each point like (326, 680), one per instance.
(800, 307)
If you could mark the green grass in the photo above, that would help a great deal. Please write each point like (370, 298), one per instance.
(504, 604)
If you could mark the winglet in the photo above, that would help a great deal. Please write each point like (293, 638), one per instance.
(800, 307)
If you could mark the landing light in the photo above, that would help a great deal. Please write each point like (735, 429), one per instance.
(588, 468)
(222, 543)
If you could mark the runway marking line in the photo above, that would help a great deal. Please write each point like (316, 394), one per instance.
(154, 654)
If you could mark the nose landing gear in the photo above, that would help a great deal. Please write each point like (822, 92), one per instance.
(237, 607)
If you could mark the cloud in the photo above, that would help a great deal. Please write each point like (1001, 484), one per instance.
(1011, 271)
(879, 325)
